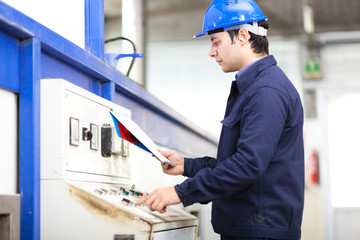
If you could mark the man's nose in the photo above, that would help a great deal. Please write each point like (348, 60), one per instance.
(212, 52)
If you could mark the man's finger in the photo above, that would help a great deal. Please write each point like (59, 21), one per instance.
(163, 210)
(141, 201)
(165, 153)
(157, 205)
(166, 166)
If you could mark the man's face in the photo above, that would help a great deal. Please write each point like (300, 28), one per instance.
(226, 54)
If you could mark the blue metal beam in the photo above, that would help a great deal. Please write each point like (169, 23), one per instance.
(9, 59)
(94, 27)
(29, 138)
(108, 91)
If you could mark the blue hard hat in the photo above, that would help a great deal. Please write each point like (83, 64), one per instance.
(226, 13)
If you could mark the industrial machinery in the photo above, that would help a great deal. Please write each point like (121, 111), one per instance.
(86, 190)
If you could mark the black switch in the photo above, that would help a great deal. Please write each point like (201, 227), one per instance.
(106, 140)
(86, 134)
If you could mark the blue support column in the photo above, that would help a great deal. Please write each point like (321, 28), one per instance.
(29, 138)
(94, 27)
(108, 91)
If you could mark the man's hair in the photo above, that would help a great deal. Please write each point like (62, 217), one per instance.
(259, 44)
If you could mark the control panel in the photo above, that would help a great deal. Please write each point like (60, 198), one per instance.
(84, 144)
(86, 190)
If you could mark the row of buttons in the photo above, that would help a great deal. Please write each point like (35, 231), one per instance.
(122, 192)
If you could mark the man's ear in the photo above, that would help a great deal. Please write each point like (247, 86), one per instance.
(243, 35)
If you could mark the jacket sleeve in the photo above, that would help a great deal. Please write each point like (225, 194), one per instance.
(262, 121)
(193, 165)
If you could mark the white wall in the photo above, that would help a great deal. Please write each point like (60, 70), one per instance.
(335, 134)
(65, 17)
(8, 142)
(188, 80)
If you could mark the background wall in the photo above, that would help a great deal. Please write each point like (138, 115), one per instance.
(183, 75)
(8, 142)
(65, 17)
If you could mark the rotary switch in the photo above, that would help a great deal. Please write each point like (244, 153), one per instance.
(86, 134)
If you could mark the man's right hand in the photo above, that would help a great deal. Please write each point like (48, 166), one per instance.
(177, 159)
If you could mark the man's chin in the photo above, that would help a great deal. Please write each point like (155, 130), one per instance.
(228, 70)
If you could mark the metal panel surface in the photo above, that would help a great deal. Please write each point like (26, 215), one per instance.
(62, 101)
(184, 233)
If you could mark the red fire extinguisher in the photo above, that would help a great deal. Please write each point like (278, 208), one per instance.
(314, 167)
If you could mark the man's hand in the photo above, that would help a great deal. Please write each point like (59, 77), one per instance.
(159, 199)
(177, 159)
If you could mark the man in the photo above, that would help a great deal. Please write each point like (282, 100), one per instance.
(256, 183)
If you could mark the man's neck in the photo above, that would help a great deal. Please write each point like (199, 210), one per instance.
(253, 58)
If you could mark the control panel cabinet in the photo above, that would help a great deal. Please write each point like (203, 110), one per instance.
(86, 190)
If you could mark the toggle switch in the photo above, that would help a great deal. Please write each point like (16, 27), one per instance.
(98, 191)
(126, 202)
(106, 140)
(124, 148)
(105, 191)
(110, 143)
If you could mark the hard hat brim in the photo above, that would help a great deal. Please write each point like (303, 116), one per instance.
(199, 34)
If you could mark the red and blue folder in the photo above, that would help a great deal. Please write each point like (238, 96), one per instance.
(131, 132)
(124, 133)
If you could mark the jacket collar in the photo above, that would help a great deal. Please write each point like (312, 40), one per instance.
(243, 80)
(247, 75)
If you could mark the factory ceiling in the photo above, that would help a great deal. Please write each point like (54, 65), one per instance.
(169, 20)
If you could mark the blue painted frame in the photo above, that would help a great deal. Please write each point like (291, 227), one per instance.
(29, 138)
(94, 27)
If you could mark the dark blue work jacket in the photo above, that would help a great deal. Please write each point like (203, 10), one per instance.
(256, 183)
